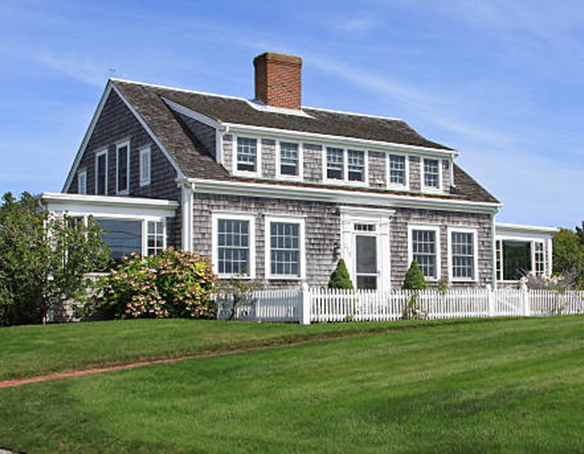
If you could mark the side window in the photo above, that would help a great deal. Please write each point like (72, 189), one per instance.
(145, 166)
(123, 168)
(101, 173)
(247, 155)
(82, 182)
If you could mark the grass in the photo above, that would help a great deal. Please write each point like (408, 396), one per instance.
(37, 350)
(506, 387)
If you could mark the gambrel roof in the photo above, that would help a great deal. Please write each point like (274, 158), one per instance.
(150, 102)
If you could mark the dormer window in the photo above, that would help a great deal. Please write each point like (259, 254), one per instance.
(335, 164)
(247, 155)
(431, 173)
(397, 170)
(289, 164)
(356, 165)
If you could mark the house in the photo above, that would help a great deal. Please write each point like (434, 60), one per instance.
(276, 191)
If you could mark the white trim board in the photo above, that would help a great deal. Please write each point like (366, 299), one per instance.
(341, 196)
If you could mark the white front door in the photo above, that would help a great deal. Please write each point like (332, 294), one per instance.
(365, 246)
(366, 262)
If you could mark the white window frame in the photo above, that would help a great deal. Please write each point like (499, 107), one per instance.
(97, 156)
(345, 181)
(429, 227)
(258, 171)
(474, 232)
(279, 174)
(390, 185)
(119, 145)
(532, 242)
(145, 153)
(268, 219)
(423, 173)
(145, 234)
(533, 255)
(82, 177)
(216, 216)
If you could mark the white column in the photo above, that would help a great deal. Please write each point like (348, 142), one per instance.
(305, 304)
(187, 204)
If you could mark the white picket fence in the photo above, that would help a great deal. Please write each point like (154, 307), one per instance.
(307, 305)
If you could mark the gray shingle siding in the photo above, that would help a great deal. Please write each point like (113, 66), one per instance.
(323, 234)
(446, 183)
(312, 162)
(377, 169)
(228, 151)
(268, 158)
(415, 173)
(322, 230)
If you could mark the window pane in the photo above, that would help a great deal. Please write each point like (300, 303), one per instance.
(285, 248)
(122, 168)
(431, 173)
(356, 165)
(233, 246)
(335, 167)
(516, 259)
(123, 237)
(539, 259)
(367, 282)
(246, 154)
(424, 251)
(366, 254)
(101, 174)
(289, 160)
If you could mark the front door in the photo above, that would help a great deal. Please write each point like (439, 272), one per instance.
(366, 263)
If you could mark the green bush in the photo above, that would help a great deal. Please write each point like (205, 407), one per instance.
(174, 284)
(414, 279)
(340, 278)
(44, 259)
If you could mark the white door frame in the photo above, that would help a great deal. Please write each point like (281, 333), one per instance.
(380, 219)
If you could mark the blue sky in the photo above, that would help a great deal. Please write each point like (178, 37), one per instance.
(501, 81)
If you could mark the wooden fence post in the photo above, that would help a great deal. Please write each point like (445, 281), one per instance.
(305, 304)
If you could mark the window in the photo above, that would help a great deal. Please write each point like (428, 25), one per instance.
(145, 166)
(247, 154)
(234, 244)
(397, 170)
(289, 159)
(155, 237)
(356, 161)
(516, 259)
(123, 236)
(432, 173)
(101, 173)
(335, 164)
(123, 168)
(539, 258)
(364, 227)
(424, 249)
(82, 182)
(462, 250)
(284, 238)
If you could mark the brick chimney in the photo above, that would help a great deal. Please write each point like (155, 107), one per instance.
(278, 80)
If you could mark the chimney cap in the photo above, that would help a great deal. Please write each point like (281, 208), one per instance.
(272, 56)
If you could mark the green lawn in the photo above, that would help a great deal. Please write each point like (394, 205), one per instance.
(36, 350)
(498, 387)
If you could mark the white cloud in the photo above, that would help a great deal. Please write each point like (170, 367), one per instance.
(82, 69)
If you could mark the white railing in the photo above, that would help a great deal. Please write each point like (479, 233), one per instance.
(306, 305)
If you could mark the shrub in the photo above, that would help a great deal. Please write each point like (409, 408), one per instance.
(44, 259)
(175, 284)
(414, 279)
(236, 293)
(340, 278)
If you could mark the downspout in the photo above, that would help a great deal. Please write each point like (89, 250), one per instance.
(186, 209)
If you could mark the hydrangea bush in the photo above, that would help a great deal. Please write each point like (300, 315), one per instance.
(174, 284)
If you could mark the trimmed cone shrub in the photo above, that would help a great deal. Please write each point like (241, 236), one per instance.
(340, 278)
(414, 279)
(174, 284)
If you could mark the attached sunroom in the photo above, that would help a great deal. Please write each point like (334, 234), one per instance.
(138, 225)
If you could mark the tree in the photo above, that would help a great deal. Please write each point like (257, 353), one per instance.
(414, 279)
(568, 251)
(340, 278)
(44, 259)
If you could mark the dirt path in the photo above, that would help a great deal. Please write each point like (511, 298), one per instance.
(229, 351)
